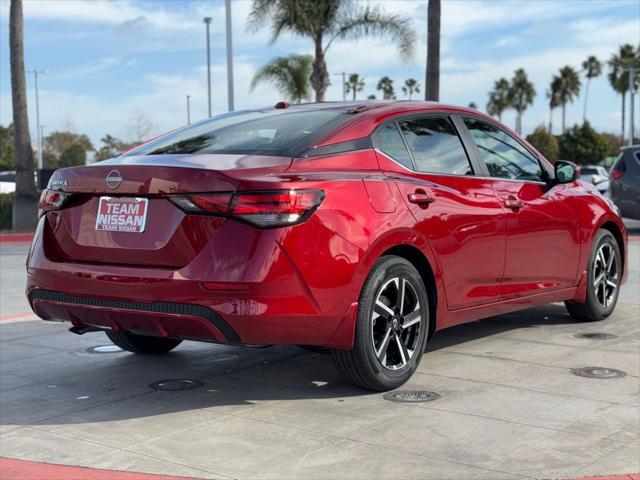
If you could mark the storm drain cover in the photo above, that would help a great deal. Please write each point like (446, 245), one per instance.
(598, 372)
(411, 396)
(176, 385)
(596, 335)
(104, 349)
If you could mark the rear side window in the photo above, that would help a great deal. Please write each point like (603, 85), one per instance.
(390, 142)
(276, 132)
(504, 156)
(435, 146)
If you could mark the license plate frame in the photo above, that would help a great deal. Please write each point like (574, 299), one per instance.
(119, 219)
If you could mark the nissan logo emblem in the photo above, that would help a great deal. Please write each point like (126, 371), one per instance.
(113, 179)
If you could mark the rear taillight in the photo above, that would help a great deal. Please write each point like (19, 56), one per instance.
(276, 208)
(51, 200)
(616, 174)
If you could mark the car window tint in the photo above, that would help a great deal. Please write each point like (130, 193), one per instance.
(435, 146)
(390, 142)
(503, 155)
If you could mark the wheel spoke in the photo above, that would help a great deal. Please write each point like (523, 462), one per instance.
(610, 263)
(601, 259)
(612, 284)
(382, 310)
(381, 353)
(404, 354)
(412, 318)
(598, 280)
(401, 292)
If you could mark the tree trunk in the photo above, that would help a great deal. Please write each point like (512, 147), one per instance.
(586, 99)
(319, 75)
(624, 101)
(564, 105)
(432, 81)
(551, 120)
(354, 93)
(519, 123)
(25, 199)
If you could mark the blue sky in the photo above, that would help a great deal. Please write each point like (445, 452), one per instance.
(108, 60)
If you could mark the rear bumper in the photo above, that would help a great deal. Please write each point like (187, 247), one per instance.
(264, 290)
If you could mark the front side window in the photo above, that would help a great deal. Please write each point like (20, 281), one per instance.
(503, 155)
(389, 141)
(435, 146)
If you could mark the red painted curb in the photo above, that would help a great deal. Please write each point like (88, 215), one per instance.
(16, 237)
(11, 469)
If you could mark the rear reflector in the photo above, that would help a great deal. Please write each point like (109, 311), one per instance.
(276, 208)
(51, 200)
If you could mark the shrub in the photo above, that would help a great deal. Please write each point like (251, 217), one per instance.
(6, 205)
(583, 145)
(546, 143)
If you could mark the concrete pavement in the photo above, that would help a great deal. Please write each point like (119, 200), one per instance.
(509, 408)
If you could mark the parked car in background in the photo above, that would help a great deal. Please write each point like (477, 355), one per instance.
(596, 175)
(7, 181)
(625, 182)
(359, 227)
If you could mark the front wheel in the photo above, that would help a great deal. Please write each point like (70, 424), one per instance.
(391, 329)
(604, 273)
(142, 344)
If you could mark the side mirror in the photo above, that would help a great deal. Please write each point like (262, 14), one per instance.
(566, 172)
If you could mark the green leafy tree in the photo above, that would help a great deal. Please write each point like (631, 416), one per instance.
(553, 95)
(62, 149)
(73, 156)
(619, 75)
(371, 97)
(546, 143)
(7, 158)
(568, 89)
(592, 68)
(290, 75)
(583, 145)
(410, 87)
(385, 85)
(111, 147)
(614, 143)
(325, 21)
(499, 98)
(473, 105)
(521, 95)
(354, 84)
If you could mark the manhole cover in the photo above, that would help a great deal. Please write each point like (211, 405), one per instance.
(598, 372)
(411, 396)
(596, 335)
(104, 349)
(176, 385)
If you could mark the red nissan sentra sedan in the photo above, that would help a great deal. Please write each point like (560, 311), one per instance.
(358, 227)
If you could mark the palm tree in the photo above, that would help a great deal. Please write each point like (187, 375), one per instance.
(473, 105)
(410, 87)
(521, 94)
(432, 77)
(592, 68)
(569, 87)
(499, 98)
(385, 85)
(553, 95)
(354, 85)
(290, 75)
(26, 197)
(619, 75)
(324, 21)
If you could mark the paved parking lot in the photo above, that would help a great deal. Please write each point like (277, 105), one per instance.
(509, 408)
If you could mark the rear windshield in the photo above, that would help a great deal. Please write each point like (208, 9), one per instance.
(589, 171)
(275, 132)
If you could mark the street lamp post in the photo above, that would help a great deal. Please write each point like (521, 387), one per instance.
(632, 75)
(36, 72)
(230, 101)
(207, 21)
(188, 109)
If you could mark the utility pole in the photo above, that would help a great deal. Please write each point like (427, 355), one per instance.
(188, 109)
(207, 21)
(344, 85)
(38, 129)
(632, 76)
(227, 8)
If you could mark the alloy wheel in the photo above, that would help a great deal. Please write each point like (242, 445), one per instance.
(605, 275)
(395, 323)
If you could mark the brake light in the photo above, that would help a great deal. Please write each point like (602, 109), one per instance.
(51, 200)
(616, 174)
(277, 208)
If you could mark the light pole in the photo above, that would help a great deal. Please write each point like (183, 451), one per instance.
(344, 85)
(36, 72)
(227, 9)
(188, 109)
(207, 21)
(632, 75)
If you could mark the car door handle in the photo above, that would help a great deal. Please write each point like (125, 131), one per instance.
(421, 198)
(512, 202)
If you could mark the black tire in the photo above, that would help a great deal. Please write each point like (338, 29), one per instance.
(361, 366)
(142, 344)
(594, 308)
